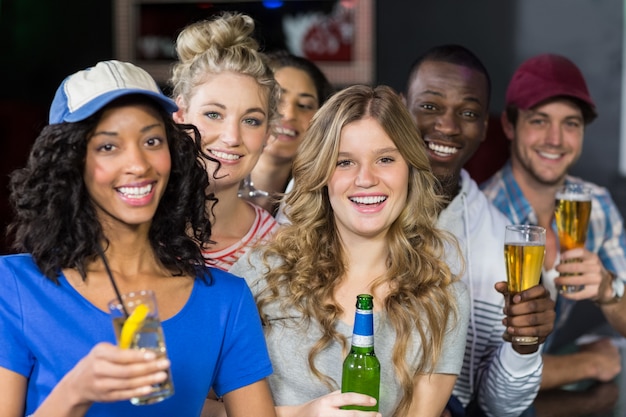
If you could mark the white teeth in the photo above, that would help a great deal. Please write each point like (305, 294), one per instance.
(368, 200)
(285, 131)
(226, 156)
(136, 192)
(550, 155)
(441, 149)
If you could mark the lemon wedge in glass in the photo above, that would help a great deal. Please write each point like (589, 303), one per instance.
(132, 324)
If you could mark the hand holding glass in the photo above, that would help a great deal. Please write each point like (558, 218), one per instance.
(137, 326)
(572, 211)
(524, 250)
(247, 189)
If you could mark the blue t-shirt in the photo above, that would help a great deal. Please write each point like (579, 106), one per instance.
(215, 341)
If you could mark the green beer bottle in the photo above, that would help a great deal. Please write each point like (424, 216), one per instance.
(361, 369)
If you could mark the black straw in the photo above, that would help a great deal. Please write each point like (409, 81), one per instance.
(117, 290)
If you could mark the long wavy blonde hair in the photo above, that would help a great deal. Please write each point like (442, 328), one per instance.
(312, 257)
(221, 44)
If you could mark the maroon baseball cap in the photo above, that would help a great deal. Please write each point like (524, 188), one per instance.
(546, 76)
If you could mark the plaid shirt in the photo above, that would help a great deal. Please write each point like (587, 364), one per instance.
(605, 235)
(606, 227)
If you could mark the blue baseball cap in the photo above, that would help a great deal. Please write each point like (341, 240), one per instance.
(85, 92)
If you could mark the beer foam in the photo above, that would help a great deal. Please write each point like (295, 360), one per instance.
(573, 196)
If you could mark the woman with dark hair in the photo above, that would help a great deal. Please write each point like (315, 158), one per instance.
(304, 88)
(112, 200)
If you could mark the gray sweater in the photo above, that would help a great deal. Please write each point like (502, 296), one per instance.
(289, 343)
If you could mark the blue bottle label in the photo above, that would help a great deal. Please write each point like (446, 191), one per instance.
(363, 335)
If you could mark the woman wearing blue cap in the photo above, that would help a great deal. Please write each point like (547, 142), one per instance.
(112, 200)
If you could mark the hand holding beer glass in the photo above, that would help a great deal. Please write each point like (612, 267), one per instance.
(572, 211)
(524, 250)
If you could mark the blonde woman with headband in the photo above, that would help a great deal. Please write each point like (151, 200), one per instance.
(304, 88)
(362, 220)
(223, 86)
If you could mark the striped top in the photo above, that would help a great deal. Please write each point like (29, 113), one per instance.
(263, 227)
(501, 381)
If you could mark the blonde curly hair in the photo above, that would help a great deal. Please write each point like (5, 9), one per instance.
(311, 255)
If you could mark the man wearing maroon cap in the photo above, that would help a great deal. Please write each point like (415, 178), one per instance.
(548, 106)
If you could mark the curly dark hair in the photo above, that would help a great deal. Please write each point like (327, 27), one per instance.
(55, 219)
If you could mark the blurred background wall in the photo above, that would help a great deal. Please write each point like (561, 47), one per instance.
(505, 33)
(45, 41)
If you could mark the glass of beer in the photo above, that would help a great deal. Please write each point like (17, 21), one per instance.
(137, 326)
(572, 211)
(524, 250)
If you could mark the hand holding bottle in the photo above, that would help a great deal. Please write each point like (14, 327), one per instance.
(331, 405)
